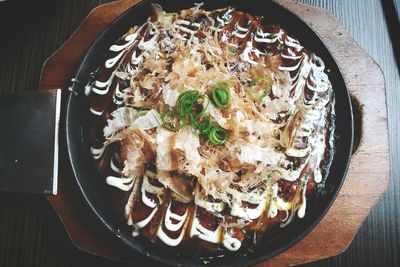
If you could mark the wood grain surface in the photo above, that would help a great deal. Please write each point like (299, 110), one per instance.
(29, 232)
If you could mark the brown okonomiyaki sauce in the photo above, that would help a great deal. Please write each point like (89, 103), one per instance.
(155, 211)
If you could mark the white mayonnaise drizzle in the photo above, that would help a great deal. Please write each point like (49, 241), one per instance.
(215, 29)
(130, 39)
(227, 17)
(239, 35)
(210, 206)
(168, 240)
(220, 20)
(291, 68)
(266, 37)
(122, 183)
(297, 152)
(302, 209)
(148, 187)
(205, 234)
(173, 227)
(146, 200)
(254, 197)
(224, 37)
(317, 175)
(118, 96)
(291, 42)
(88, 89)
(95, 112)
(240, 28)
(188, 23)
(151, 44)
(240, 32)
(102, 88)
(319, 79)
(231, 243)
(144, 222)
(112, 61)
(245, 55)
(97, 152)
(277, 203)
(246, 213)
(291, 57)
(303, 72)
(136, 60)
(135, 230)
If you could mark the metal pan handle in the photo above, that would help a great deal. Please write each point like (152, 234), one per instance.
(29, 125)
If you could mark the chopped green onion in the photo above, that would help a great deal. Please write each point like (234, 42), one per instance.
(187, 112)
(205, 126)
(266, 85)
(193, 122)
(170, 121)
(220, 95)
(189, 96)
(187, 100)
(143, 111)
(234, 49)
(184, 109)
(218, 136)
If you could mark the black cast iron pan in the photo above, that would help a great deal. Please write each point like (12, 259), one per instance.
(91, 184)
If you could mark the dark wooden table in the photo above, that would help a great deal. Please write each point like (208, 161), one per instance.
(30, 232)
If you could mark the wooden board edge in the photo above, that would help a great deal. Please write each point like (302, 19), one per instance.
(117, 3)
(98, 12)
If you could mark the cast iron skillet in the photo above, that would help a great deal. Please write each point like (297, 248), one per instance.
(91, 184)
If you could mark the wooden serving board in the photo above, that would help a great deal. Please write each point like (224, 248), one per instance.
(366, 181)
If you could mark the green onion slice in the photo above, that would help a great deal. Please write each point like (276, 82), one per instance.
(193, 122)
(187, 100)
(143, 111)
(259, 84)
(184, 109)
(220, 95)
(171, 122)
(205, 126)
(234, 49)
(218, 136)
(189, 96)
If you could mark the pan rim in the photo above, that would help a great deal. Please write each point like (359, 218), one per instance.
(247, 261)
